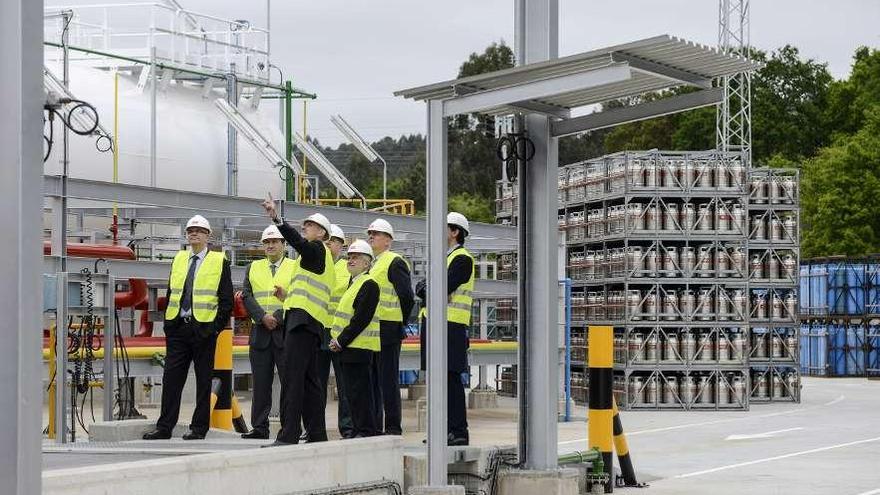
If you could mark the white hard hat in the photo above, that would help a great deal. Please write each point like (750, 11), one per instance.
(336, 231)
(360, 246)
(381, 225)
(271, 232)
(320, 220)
(199, 221)
(458, 220)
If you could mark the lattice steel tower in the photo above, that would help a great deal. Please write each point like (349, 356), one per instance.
(734, 117)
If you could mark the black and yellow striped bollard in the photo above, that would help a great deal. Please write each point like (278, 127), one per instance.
(601, 399)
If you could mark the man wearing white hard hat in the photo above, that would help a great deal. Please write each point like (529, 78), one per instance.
(306, 315)
(460, 286)
(326, 357)
(396, 301)
(266, 310)
(199, 299)
(355, 337)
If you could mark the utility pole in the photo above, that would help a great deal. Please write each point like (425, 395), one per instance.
(734, 116)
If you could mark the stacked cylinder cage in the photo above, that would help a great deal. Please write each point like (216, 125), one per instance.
(693, 258)
(840, 316)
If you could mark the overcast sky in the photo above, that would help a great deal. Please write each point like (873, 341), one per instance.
(355, 53)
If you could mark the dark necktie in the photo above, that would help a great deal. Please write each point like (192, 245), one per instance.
(186, 296)
(272, 267)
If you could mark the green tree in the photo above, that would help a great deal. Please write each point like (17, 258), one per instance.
(840, 194)
(475, 208)
(849, 98)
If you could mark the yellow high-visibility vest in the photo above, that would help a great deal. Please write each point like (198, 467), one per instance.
(458, 306)
(204, 288)
(310, 291)
(340, 270)
(263, 282)
(369, 338)
(389, 303)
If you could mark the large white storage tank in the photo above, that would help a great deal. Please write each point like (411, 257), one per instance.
(191, 138)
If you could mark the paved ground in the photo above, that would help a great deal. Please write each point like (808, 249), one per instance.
(830, 443)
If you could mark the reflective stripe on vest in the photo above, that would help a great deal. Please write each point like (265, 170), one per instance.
(204, 290)
(263, 283)
(340, 270)
(389, 304)
(310, 291)
(369, 338)
(458, 307)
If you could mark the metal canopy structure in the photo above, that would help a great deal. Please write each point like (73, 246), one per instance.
(542, 90)
(555, 87)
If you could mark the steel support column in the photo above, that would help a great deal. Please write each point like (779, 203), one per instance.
(536, 40)
(436, 338)
(21, 148)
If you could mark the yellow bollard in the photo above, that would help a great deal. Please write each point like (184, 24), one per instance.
(622, 449)
(221, 385)
(601, 399)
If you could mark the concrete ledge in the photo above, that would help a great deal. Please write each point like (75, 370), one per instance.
(482, 399)
(134, 429)
(525, 482)
(437, 490)
(274, 471)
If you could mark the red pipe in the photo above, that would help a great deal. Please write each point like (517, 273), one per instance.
(146, 326)
(136, 294)
(83, 250)
(238, 308)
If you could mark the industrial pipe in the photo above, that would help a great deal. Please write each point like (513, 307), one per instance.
(146, 326)
(84, 250)
(136, 294)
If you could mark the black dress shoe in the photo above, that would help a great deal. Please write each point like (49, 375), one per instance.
(191, 435)
(261, 435)
(457, 441)
(276, 443)
(157, 434)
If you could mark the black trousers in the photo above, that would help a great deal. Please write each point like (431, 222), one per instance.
(457, 425)
(358, 386)
(264, 362)
(303, 401)
(327, 358)
(184, 345)
(386, 391)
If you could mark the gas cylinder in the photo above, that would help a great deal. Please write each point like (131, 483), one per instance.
(789, 267)
(789, 193)
(688, 304)
(758, 190)
(670, 306)
(670, 348)
(772, 267)
(688, 174)
(723, 305)
(738, 262)
(634, 304)
(739, 304)
(689, 216)
(688, 390)
(723, 348)
(776, 229)
(651, 394)
(636, 349)
(651, 175)
(688, 346)
(670, 390)
(704, 347)
(704, 174)
(723, 217)
(776, 193)
(738, 216)
(762, 387)
(736, 352)
(671, 178)
(777, 385)
(670, 262)
(759, 228)
(760, 303)
(777, 307)
(636, 173)
(756, 267)
(651, 262)
(651, 348)
(760, 345)
(737, 175)
(652, 218)
(704, 218)
(688, 261)
(722, 263)
(671, 220)
(707, 395)
(776, 346)
(791, 380)
(791, 306)
(791, 346)
(739, 390)
(789, 225)
(704, 262)
(704, 305)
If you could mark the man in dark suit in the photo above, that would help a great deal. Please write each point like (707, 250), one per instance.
(199, 306)
(267, 335)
